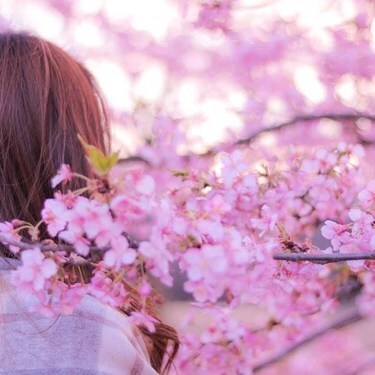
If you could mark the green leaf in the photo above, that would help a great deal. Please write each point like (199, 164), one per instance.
(100, 162)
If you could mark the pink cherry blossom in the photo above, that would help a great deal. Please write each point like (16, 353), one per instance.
(54, 215)
(63, 175)
(334, 232)
(34, 272)
(234, 166)
(267, 222)
(367, 196)
(61, 299)
(158, 261)
(108, 291)
(202, 262)
(140, 318)
(119, 254)
(8, 233)
(81, 244)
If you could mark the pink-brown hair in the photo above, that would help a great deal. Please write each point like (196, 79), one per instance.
(46, 99)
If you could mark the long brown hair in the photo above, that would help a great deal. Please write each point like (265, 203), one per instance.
(46, 99)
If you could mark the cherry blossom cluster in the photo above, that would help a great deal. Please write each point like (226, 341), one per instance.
(225, 223)
(224, 344)
(220, 225)
(84, 233)
(357, 235)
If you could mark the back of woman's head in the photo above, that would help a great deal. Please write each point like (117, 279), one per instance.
(46, 98)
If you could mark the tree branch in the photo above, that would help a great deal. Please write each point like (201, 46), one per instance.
(344, 320)
(323, 258)
(134, 159)
(23, 245)
(293, 121)
(77, 261)
(308, 118)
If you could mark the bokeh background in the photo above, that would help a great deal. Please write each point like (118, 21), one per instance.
(177, 59)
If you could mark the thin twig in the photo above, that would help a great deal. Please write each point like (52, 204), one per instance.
(23, 245)
(344, 320)
(307, 118)
(134, 159)
(293, 121)
(323, 258)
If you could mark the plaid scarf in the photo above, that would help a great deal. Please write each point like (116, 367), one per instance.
(95, 340)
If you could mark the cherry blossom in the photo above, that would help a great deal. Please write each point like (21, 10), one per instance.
(34, 272)
(63, 175)
(140, 318)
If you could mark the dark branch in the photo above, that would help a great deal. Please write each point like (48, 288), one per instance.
(323, 258)
(293, 121)
(24, 245)
(134, 159)
(308, 118)
(344, 320)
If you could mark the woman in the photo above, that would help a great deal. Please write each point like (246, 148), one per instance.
(46, 99)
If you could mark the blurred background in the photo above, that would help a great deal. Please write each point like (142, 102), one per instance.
(216, 70)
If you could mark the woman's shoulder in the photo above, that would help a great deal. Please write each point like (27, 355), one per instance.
(95, 339)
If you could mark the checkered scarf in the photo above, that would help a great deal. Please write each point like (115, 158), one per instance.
(94, 340)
